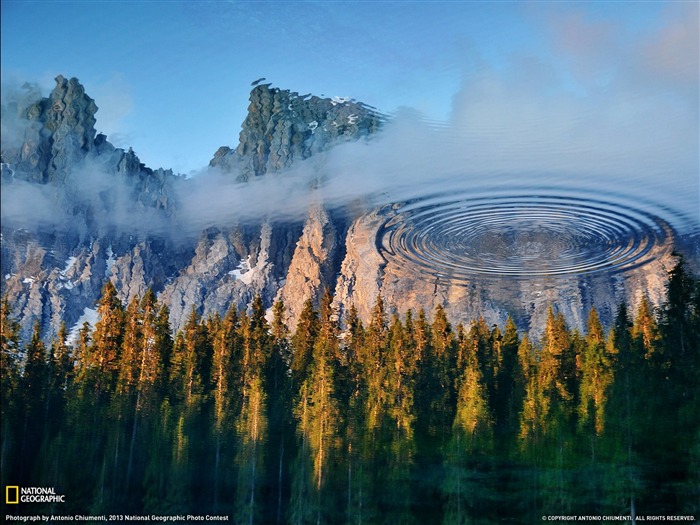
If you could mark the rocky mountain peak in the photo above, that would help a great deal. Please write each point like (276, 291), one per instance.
(119, 222)
(60, 131)
(283, 126)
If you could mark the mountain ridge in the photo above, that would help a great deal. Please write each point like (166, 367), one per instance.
(114, 219)
(58, 147)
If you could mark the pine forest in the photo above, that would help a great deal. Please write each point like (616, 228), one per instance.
(405, 419)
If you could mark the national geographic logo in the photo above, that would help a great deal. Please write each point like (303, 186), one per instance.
(12, 494)
(15, 495)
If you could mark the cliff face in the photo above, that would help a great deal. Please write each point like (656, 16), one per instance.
(365, 272)
(283, 127)
(54, 266)
(54, 269)
(59, 133)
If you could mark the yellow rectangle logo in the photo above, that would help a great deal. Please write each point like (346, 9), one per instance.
(9, 497)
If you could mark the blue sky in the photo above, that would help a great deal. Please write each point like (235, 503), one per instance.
(172, 78)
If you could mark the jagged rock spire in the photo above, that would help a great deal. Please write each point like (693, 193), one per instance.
(60, 131)
(283, 126)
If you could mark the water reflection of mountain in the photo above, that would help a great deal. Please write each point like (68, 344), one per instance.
(477, 246)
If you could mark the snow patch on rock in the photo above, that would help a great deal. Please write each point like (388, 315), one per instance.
(90, 316)
(69, 264)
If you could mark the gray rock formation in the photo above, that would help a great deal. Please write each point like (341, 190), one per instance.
(314, 266)
(66, 193)
(283, 127)
(365, 273)
(55, 271)
(113, 214)
(60, 131)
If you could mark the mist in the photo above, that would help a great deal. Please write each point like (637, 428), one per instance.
(90, 201)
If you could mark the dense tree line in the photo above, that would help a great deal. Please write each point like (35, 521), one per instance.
(405, 420)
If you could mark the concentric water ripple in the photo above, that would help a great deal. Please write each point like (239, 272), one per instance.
(518, 235)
